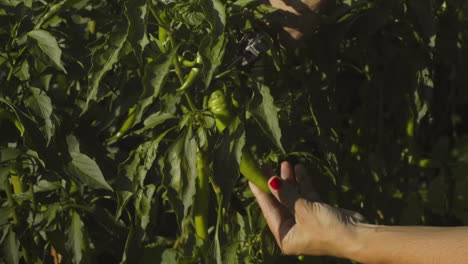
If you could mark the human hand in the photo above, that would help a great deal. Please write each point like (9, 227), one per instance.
(300, 16)
(300, 223)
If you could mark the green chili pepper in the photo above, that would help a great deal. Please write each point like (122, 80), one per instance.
(192, 76)
(248, 167)
(190, 79)
(187, 63)
(163, 36)
(16, 182)
(127, 124)
(202, 197)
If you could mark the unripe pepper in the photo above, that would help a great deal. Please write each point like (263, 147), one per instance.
(248, 167)
(127, 124)
(202, 197)
(192, 75)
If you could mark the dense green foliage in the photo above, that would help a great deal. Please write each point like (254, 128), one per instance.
(99, 143)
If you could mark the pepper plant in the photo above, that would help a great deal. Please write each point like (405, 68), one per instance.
(129, 128)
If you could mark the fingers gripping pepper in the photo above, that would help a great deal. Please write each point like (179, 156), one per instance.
(220, 107)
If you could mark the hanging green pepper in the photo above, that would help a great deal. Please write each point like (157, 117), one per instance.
(219, 106)
(127, 124)
(192, 75)
(187, 63)
(202, 197)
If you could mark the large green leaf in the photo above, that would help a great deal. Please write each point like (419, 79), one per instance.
(265, 113)
(137, 15)
(5, 214)
(133, 172)
(75, 238)
(142, 202)
(153, 80)
(104, 58)
(213, 45)
(11, 247)
(53, 10)
(180, 174)
(48, 49)
(86, 171)
(154, 120)
(41, 106)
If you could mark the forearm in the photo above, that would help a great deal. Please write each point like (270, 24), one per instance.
(412, 245)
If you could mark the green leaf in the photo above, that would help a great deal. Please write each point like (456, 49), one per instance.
(228, 154)
(41, 106)
(104, 58)
(4, 173)
(11, 248)
(180, 174)
(143, 205)
(11, 2)
(142, 202)
(51, 213)
(243, 3)
(74, 243)
(47, 48)
(213, 46)
(133, 171)
(5, 213)
(169, 256)
(154, 120)
(86, 171)
(265, 113)
(153, 80)
(137, 15)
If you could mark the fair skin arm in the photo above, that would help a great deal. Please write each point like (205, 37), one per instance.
(302, 224)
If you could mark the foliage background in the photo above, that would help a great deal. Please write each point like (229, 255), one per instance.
(374, 102)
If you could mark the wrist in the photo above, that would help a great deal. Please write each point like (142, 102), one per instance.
(357, 241)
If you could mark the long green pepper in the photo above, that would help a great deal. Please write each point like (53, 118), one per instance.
(202, 197)
(248, 167)
(192, 75)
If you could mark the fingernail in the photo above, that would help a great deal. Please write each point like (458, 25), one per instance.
(276, 183)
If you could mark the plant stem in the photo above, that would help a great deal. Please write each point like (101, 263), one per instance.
(11, 201)
(190, 102)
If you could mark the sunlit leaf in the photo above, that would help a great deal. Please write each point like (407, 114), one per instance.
(86, 171)
(48, 48)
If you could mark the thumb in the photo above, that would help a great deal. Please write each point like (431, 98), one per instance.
(284, 192)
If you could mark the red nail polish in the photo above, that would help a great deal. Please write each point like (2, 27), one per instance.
(276, 183)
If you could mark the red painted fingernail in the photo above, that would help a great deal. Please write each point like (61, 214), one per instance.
(276, 183)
